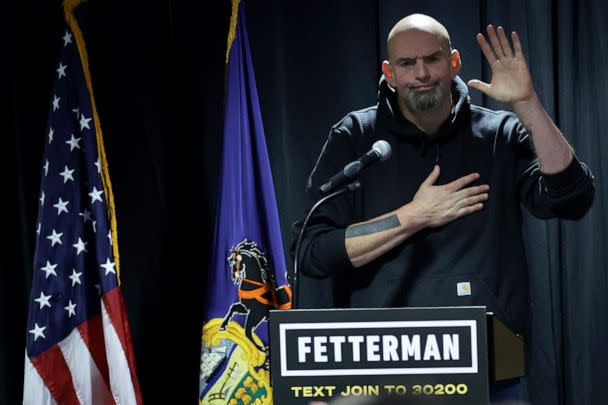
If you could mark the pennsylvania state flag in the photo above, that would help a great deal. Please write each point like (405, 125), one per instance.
(248, 272)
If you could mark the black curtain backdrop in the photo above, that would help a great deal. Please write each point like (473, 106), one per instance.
(158, 74)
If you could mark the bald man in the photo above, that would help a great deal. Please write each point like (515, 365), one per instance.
(440, 223)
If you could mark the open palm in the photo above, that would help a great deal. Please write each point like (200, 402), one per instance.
(511, 80)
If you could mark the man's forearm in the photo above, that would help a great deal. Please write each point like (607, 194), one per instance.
(553, 151)
(432, 206)
(365, 241)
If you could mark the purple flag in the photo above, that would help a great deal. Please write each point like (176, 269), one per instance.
(248, 271)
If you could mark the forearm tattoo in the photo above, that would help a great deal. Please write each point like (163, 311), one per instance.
(380, 225)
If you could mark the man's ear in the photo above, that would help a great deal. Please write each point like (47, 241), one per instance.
(455, 62)
(388, 73)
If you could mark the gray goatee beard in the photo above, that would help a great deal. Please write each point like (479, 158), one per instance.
(424, 100)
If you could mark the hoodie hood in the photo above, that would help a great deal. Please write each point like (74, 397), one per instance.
(395, 122)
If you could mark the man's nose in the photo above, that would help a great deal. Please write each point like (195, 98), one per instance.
(422, 72)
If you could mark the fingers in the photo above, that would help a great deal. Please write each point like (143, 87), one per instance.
(471, 191)
(472, 199)
(504, 42)
(463, 181)
(500, 47)
(479, 198)
(517, 45)
(470, 209)
(495, 42)
(432, 178)
(486, 49)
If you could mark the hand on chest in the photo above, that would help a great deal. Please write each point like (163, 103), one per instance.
(391, 184)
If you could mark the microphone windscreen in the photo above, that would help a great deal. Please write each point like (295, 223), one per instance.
(383, 148)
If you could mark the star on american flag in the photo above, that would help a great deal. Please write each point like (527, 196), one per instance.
(78, 347)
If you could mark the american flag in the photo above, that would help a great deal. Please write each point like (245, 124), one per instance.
(79, 348)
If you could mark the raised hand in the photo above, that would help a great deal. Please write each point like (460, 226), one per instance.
(511, 80)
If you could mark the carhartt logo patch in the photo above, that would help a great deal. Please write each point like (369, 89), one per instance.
(463, 288)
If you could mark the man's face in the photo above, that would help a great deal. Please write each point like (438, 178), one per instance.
(421, 70)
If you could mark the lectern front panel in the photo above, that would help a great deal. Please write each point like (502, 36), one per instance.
(439, 354)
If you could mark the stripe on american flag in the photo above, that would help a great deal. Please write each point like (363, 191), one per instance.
(123, 380)
(56, 375)
(92, 335)
(79, 346)
(88, 382)
(36, 393)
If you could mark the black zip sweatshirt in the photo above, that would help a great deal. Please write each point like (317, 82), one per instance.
(484, 249)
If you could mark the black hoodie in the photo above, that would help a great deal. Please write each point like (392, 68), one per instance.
(475, 260)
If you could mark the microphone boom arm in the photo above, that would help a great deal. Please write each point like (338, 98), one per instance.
(296, 293)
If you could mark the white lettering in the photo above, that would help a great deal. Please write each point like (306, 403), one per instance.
(303, 348)
(356, 343)
(389, 348)
(320, 349)
(431, 349)
(410, 347)
(373, 348)
(451, 348)
(337, 342)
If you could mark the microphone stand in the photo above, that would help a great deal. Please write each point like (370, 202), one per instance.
(296, 293)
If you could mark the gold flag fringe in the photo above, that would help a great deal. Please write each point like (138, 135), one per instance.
(68, 11)
(232, 30)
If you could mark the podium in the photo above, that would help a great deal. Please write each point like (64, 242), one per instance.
(447, 355)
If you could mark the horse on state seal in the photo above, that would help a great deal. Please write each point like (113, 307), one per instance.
(257, 289)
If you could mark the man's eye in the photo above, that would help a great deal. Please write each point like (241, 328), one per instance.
(408, 63)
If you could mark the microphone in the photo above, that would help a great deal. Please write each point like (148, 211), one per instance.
(381, 150)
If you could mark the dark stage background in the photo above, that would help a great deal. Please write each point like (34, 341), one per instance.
(158, 70)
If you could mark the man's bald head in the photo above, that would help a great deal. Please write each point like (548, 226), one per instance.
(423, 23)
